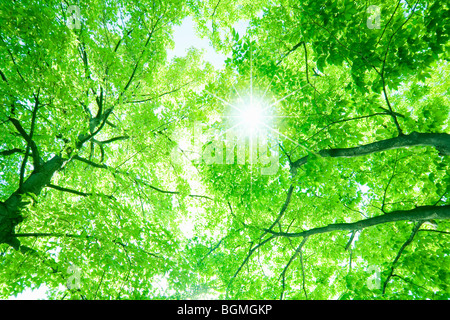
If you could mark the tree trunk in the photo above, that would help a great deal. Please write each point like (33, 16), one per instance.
(10, 210)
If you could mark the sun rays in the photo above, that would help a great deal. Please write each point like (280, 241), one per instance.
(253, 114)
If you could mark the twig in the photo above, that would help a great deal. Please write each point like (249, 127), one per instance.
(283, 273)
(283, 209)
(410, 239)
(389, 182)
(350, 240)
(79, 193)
(385, 27)
(251, 251)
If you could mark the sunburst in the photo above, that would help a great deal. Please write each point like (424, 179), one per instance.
(254, 116)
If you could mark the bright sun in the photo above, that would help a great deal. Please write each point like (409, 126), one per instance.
(254, 115)
(251, 117)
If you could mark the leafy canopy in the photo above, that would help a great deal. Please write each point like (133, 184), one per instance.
(117, 176)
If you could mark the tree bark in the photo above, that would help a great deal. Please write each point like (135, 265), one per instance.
(440, 141)
(10, 210)
(423, 213)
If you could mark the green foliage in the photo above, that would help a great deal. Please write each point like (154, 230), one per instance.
(143, 216)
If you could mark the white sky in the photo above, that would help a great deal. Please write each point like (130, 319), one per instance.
(185, 37)
(30, 294)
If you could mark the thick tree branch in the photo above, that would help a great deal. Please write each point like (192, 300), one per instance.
(11, 151)
(10, 210)
(99, 100)
(112, 140)
(79, 193)
(440, 141)
(297, 164)
(30, 142)
(47, 234)
(35, 182)
(94, 121)
(422, 213)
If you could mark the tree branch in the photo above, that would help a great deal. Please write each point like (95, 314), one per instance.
(390, 19)
(410, 239)
(250, 253)
(394, 117)
(283, 209)
(289, 52)
(11, 151)
(307, 72)
(120, 41)
(391, 112)
(170, 192)
(438, 231)
(112, 140)
(140, 57)
(104, 118)
(440, 141)
(215, 8)
(349, 243)
(79, 193)
(30, 142)
(89, 162)
(297, 164)
(47, 234)
(33, 146)
(14, 62)
(3, 76)
(283, 273)
(422, 213)
(349, 119)
(389, 183)
(410, 282)
(162, 94)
